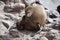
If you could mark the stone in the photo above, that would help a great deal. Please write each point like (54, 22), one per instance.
(43, 38)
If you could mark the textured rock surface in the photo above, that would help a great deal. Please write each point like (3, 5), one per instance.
(50, 4)
(8, 30)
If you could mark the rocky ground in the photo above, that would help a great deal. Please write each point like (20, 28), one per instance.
(8, 19)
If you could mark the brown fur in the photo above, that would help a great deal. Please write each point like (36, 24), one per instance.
(37, 13)
(26, 23)
(29, 24)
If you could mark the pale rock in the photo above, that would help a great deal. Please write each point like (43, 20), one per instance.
(7, 8)
(50, 4)
(1, 5)
(19, 4)
(50, 20)
(11, 4)
(48, 12)
(49, 25)
(17, 39)
(22, 13)
(54, 31)
(9, 23)
(16, 1)
(12, 16)
(21, 7)
(2, 16)
(43, 38)
(28, 2)
(37, 36)
(46, 28)
(52, 13)
(14, 7)
(56, 13)
(57, 36)
(3, 29)
(14, 32)
(27, 37)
